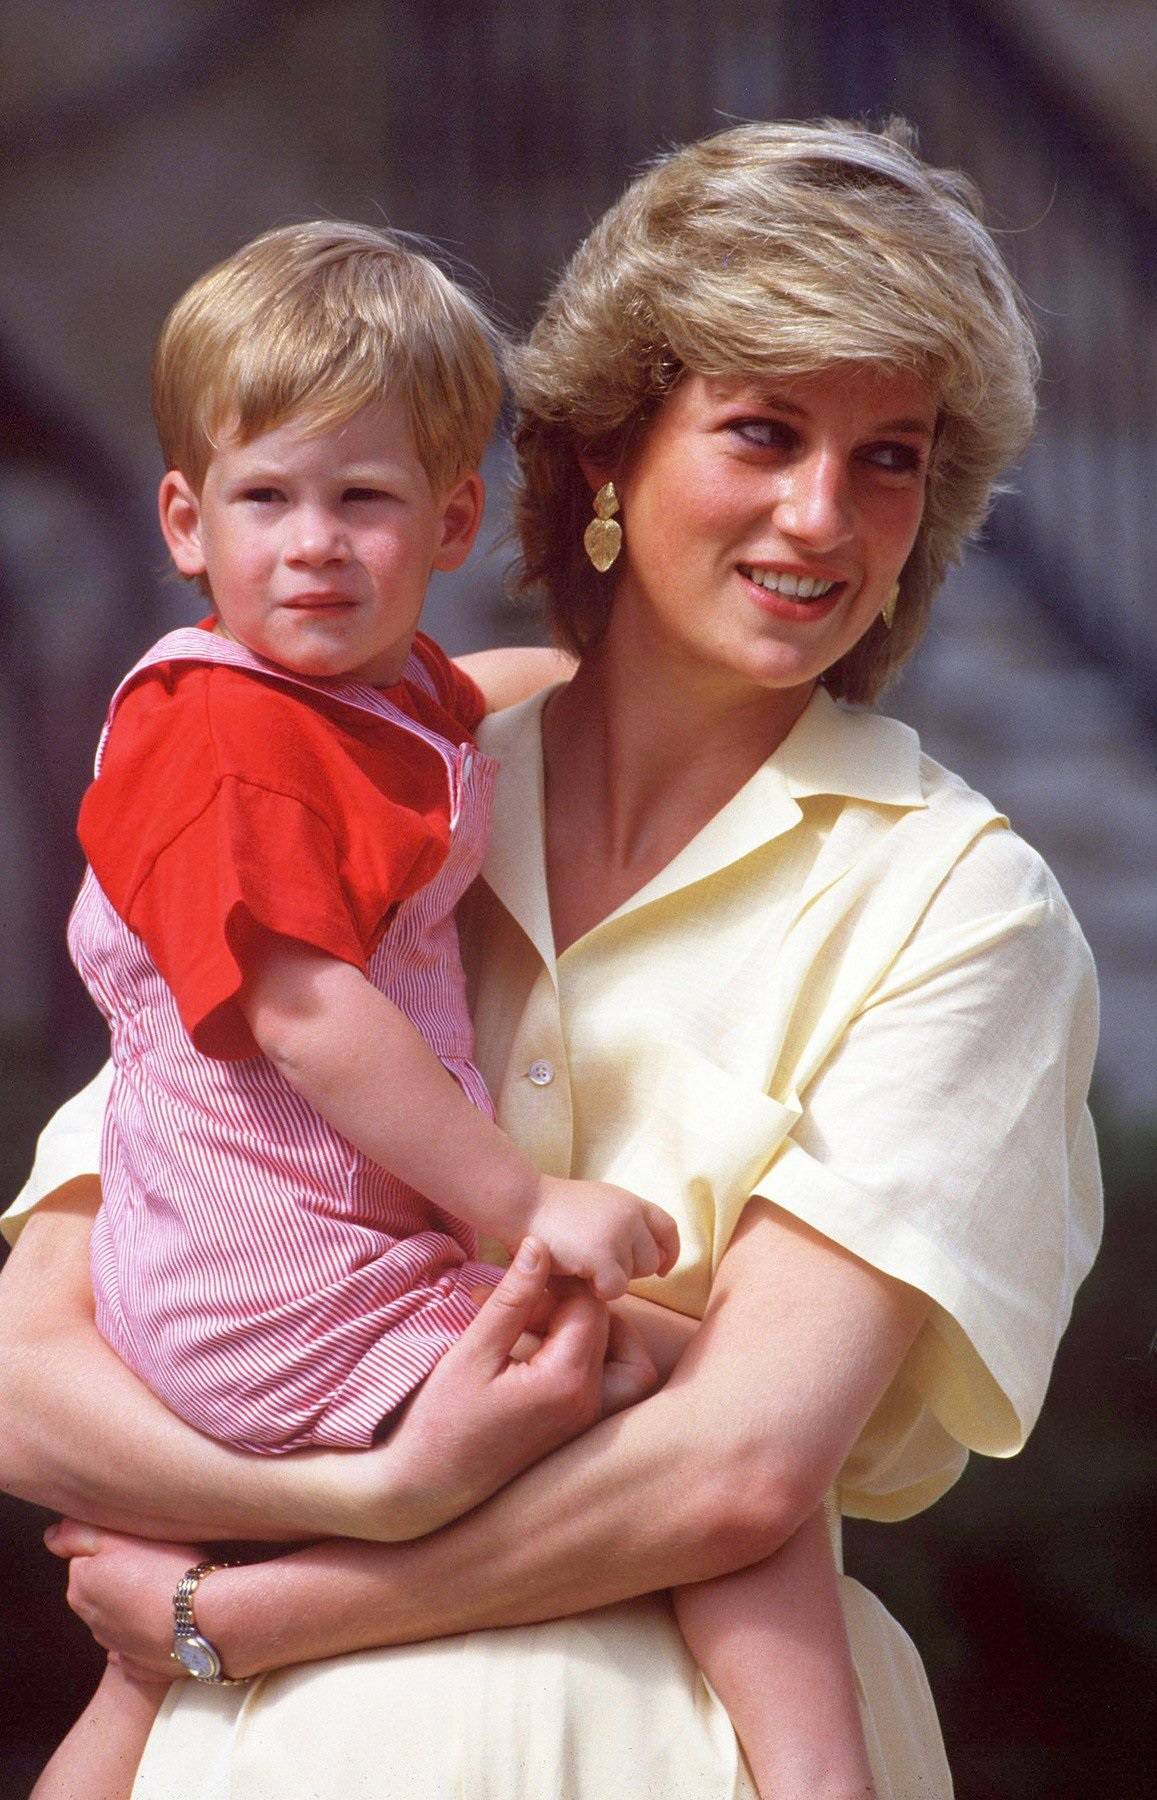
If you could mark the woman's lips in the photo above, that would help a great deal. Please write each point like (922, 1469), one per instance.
(784, 606)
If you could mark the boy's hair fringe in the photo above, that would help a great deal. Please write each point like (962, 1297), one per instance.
(318, 320)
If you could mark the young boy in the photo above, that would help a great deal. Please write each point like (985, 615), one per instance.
(299, 1157)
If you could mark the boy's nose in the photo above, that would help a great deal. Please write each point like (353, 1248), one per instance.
(316, 537)
(813, 503)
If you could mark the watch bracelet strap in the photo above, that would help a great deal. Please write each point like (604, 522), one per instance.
(184, 1621)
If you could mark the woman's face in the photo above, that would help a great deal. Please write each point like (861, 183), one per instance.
(765, 521)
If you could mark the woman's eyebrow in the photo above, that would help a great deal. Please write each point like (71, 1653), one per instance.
(779, 403)
(768, 397)
(916, 427)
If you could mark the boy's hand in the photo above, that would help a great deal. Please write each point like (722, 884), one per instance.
(602, 1233)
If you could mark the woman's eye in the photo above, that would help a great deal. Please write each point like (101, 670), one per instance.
(764, 434)
(895, 459)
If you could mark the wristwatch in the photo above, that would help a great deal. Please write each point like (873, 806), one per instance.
(195, 1654)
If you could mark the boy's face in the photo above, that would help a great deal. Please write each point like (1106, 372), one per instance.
(317, 546)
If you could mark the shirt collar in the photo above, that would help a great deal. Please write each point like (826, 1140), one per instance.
(858, 755)
(830, 750)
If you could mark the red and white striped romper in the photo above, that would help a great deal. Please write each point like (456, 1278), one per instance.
(266, 1280)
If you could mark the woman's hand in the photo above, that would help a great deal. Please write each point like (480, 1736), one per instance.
(500, 1400)
(122, 1589)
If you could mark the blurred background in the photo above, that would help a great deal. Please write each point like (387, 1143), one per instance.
(141, 142)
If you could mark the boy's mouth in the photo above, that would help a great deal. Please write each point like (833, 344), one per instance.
(323, 602)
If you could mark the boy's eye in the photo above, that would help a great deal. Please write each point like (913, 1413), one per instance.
(262, 495)
(364, 494)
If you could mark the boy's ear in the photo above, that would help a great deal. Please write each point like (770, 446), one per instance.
(461, 516)
(180, 513)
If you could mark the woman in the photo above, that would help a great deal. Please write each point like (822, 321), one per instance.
(739, 949)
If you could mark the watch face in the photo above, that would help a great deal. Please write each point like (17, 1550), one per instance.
(197, 1657)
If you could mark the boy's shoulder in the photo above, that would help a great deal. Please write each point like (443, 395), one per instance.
(183, 730)
(455, 691)
(203, 721)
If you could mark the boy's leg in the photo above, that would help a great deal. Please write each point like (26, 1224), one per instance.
(771, 1640)
(98, 1759)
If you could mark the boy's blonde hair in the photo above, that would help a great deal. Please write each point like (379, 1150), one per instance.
(776, 250)
(319, 320)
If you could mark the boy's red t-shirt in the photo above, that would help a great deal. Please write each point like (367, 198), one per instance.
(229, 806)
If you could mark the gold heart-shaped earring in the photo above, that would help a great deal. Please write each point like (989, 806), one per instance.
(603, 537)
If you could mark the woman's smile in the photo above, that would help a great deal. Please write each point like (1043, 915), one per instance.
(785, 594)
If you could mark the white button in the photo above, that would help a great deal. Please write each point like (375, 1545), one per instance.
(541, 1074)
(467, 763)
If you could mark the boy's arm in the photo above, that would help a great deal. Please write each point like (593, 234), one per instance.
(772, 1641)
(348, 1050)
(508, 676)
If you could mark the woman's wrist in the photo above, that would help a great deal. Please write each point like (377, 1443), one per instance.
(326, 1600)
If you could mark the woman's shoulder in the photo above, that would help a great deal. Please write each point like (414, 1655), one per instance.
(998, 867)
(994, 887)
(975, 866)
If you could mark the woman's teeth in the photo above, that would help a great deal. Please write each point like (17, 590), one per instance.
(797, 587)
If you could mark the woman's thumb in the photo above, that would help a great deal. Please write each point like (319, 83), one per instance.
(69, 1538)
(516, 1300)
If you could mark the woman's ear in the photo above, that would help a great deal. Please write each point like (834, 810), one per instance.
(180, 513)
(461, 516)
(595, 474)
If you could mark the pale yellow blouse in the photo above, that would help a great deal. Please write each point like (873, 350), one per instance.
(856, 993)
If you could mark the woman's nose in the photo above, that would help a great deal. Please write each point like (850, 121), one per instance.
(316, 537)
(814, 505)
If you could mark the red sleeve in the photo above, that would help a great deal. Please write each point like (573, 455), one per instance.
(458, 692)
(314, 850)
(253, 863)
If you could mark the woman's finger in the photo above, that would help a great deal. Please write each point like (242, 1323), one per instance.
(576, 1337)
(515, 1305)
(629, 1374)
(69, 1538)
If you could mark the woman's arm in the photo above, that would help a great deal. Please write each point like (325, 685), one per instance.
(508, 676)
(711, 1474)
(81, 1435)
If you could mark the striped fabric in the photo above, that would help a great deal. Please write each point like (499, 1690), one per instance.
(267, 1281)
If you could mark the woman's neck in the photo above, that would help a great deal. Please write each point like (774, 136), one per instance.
(636, 765)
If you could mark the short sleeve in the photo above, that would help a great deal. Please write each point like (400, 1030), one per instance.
(69, 1146)
(948, 1143)
(256, 863)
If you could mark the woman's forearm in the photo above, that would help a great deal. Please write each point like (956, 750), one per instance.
(621, 1515)
(81, 1435)
(711, 1474)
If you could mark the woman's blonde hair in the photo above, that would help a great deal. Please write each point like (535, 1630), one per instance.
(781, 250)
(319, 320)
